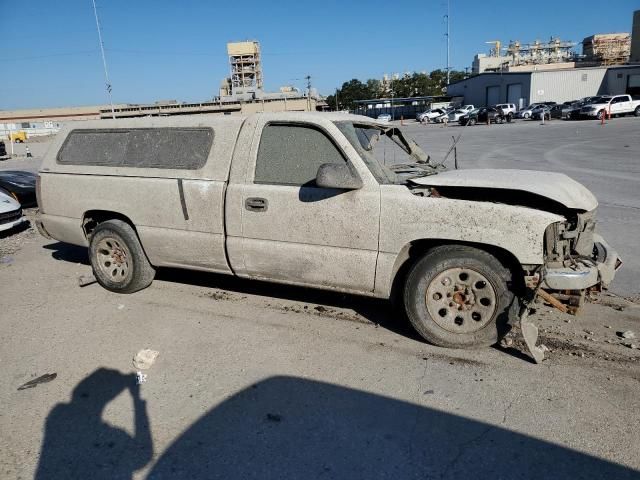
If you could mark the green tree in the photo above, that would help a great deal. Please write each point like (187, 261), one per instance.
(411, 85)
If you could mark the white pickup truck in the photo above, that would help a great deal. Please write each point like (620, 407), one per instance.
(332, 201)
(611, 106)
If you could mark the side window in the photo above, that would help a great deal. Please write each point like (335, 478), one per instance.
(169, 148)
(292, 154)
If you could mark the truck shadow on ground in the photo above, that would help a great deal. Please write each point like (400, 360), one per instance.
(292, 428)
(377, 311)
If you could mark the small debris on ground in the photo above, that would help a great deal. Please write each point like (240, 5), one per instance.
(121, 307)
(630, 345)
(46, 378)
(628, 334)
(145, 358)
(84, 280)
(320, 309)
(141, 378)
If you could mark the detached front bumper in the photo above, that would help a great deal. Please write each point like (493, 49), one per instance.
(585, 273)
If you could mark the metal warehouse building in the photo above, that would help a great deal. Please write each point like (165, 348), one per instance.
(524, 88)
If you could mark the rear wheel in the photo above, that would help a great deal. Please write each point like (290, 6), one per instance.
(460, 297)
(526, 116)
(472, 121)
(636, 112)
(117, 258)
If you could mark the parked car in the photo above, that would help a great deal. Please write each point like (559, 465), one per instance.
(527, 111)
(444, 117)
(507, 108)
(456, 115)
(616, 105)
(431, 114)
(480, 115)
(20, 185)
(3, 149)
(385, 118)
(554, 111)
(10, 212)
(304, 198)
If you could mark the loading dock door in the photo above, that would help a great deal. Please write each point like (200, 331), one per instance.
(633, 85)
(514, 93)
(493, 95)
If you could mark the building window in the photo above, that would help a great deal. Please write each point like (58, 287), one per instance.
(619, 75)
(584, 77)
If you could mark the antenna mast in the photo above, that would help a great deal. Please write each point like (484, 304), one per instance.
(448, 48)
(104, 60)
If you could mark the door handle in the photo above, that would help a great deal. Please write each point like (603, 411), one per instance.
(255, 204)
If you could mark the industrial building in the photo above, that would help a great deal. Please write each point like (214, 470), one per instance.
(524, 88)
(240, 93)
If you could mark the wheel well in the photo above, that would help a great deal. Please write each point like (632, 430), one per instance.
(93, 218)
(415, 250)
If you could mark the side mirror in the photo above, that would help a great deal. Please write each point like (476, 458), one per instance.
(333, 175)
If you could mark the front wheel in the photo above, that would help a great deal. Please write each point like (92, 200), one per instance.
(471, 122)
(636, 112)
(526, 116)
(460, 297)
(600, 114)
(117, 258)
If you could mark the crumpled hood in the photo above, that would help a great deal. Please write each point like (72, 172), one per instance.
(555, 186)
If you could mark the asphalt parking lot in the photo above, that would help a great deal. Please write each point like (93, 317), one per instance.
(264, 381)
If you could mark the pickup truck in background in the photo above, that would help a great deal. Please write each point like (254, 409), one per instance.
(331, 201)
(612, 106)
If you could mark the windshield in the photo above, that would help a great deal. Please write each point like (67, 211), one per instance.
(391, 157)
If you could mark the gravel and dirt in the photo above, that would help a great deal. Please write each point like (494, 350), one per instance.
(255, 380)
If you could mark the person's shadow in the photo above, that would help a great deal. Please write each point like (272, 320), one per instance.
(79, 444)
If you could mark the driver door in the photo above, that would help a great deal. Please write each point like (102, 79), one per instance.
(296, 232)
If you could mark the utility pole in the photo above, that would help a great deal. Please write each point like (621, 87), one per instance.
(336, 99)
(104, 60)
(308, 79)
(448, 49)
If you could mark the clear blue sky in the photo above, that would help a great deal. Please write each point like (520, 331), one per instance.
(164, 49)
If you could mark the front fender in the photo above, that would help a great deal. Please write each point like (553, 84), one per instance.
(406, 218)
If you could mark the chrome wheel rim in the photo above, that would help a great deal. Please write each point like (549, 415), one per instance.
(461, 300)
(113, 259)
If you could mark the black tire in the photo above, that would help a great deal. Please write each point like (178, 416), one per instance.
(636, 112)
(600, 114)
(481, 323)
(471, 122)
(117, 258)
(526, 116)
(510, 118)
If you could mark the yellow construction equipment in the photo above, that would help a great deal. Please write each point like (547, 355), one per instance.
(18, 137)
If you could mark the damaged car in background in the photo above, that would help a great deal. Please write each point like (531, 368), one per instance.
(331, 201)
